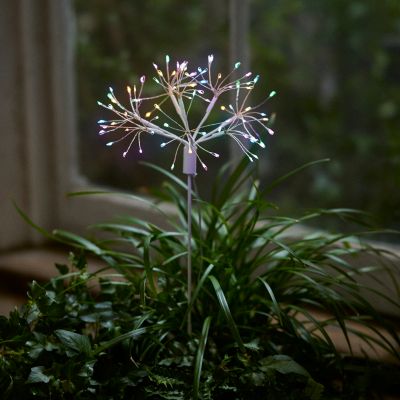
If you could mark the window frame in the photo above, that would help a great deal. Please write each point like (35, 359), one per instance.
(78, 212)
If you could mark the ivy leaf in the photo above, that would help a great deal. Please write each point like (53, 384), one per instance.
(74, 341)
(62, 268)
(313, 389)
(286, 365)
(283, 364)
(254, 345)
(37, 376)
(36, 290)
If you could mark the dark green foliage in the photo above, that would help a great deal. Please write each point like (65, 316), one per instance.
(121, 332)
(337, 67)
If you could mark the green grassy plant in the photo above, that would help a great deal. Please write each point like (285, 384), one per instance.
(121, 333)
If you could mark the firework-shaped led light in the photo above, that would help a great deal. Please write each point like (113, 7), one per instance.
(180, 87)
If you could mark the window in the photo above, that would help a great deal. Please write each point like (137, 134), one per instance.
(334, 64)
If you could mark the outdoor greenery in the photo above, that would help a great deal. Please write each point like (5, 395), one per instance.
(336, 66)
(120, 332)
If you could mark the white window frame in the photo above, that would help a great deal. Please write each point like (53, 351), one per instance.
(75, 213)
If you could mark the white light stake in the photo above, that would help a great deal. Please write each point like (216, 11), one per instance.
(179, 89)
(189, 169)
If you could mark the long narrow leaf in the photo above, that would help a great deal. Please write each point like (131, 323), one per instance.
(275, 305)
(168, 174)
(196, 292)
(76, 240)
(147, 264)
(25, 217)
(227, 312)
(200, 356)
(278, 181)
(128, 335)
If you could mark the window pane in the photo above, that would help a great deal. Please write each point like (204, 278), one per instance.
(117, 42)
(336, 67)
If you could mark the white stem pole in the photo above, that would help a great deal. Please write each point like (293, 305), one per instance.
(189, 168)
(189, 250)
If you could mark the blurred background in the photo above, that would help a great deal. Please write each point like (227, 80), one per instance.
(334, 64)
